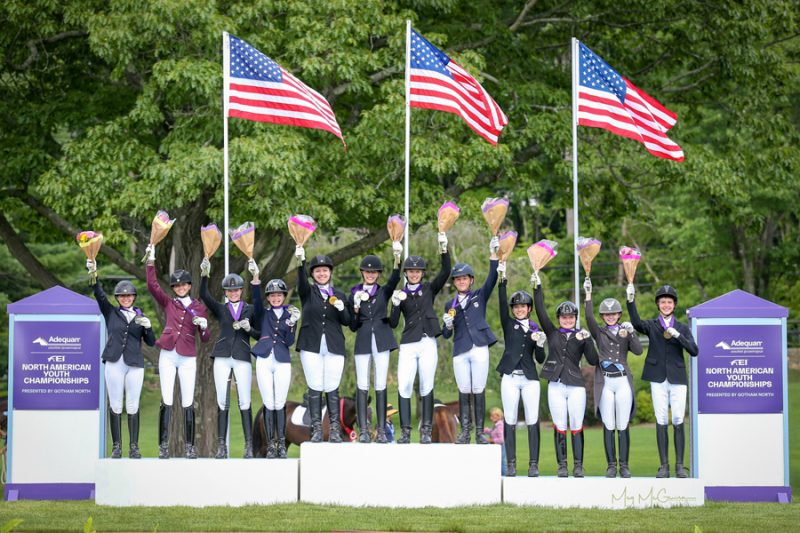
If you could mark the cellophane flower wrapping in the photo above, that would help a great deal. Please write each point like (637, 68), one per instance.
(90, 243)
(448, 214)
(541, 253)
(160, 227)
(494, 211)
(244, 237)
(588, 248)
(212, 238)
(630, 258)
(300, 228)
(507, 242)
(397, 227)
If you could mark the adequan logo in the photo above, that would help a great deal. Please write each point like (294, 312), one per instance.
(740, 346)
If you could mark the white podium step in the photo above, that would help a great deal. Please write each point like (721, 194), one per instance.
(400, 475)
(600, 492)
(196, 482)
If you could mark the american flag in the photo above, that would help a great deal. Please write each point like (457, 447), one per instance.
(437, 82)
(609, 101)
(259, 89)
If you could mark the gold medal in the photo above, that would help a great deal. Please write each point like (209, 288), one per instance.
(452, 312)
(332, 300)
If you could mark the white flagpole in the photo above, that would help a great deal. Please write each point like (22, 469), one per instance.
(226, 68)
(575, 74)
(408, 129)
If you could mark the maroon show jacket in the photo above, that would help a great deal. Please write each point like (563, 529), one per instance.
(178, 334)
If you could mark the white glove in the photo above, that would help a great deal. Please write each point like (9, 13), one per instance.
(300, 253)
(448, 320)
(200, 322)
(252, 267)
(494, 245)
(539, 337)
(339, 305)
(501, 269)
(294, 315)
(150, 252)
(397, 297)
(244, 324)
(627, 326)
(582, 334)
(205, 267)
(143, 321)
(673, 333)
(630, 291)
(91, 266)
(397, 249)
(442, 239)
(587, 286)
(360, 296)
(535, 280)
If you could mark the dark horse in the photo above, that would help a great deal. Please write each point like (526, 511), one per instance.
(445, 422)
(298, 434)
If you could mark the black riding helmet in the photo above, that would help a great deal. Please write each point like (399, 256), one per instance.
(414, 262)
(320, 261)
(566, 309)
(371, 263)
(276, 285)
(232, 282)
(667, 290)
(125, 288)
(180, 276)
(520, 298)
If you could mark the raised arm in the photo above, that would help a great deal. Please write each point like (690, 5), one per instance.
(303, 286)
(258, 303)
(541, 312)
(503, 298)
(441, 278)
(102, 301)
(491, 281)
(637, 322)
(155, 289)
(391, 283)
(594, 329)
(213, 305)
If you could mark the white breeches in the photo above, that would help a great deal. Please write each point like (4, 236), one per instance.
(381, 367)
(566, 400)
(615, 402)
(512, 386)
(421, 356)
(472, 369)
(170, 363)
(242, 371)
(121, 378)
(666, 395)
(273, 379)
(323, 370)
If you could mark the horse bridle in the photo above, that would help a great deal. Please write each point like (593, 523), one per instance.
(350, 431)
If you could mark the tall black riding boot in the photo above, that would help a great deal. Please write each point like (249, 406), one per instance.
(332, 398)
(463, 413)
(680, 442)
(222, 432)
(510, 442)
(560, 440)
(533, 449)
(611, 452)
(133, 433)
(577, 453)
(362, 398)
(380, 419)
(315, 412)
(624, 452)
(115, 424)
(426, 428)
(662, 439)
(247, 428)
(164, 415)
(480, 417)
(269, 426)
(280, 432)
(404, 404)
(188, 429)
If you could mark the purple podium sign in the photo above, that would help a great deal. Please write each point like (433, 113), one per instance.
(739, 369)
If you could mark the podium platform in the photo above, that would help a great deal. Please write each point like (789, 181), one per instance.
(604, 493)
(196, 482)
(400, 475)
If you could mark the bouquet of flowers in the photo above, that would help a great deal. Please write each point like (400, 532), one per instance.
(159, 228)
(397, 228)
(494, 211)
(630, 258)
(90, 243)
(507, 242)
(301, 227)
(588, 249)
(244, 237)
(212, 238)
(541, 253)
(447, 216)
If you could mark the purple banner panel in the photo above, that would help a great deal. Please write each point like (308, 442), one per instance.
(739, 369)
(749, 494)
(48, 491)
(56, 365)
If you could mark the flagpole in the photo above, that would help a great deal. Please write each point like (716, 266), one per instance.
(575, 73)
(408, 130)
(226, 63)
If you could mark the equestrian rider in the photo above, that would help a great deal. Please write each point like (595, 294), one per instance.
(126, 328)
(374, 338)
(231, 354)
(321, 340)
(613, 379)
(418, 351)
(185, 316)
(566, 392)
(665, 369)
(465, 320)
